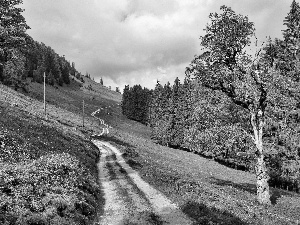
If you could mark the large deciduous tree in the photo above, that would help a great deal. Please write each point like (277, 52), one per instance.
(250, 81)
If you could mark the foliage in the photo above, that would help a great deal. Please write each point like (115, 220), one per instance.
(211, 193)
(22, 57)
(46, 175)
(42, 59)
(216, 125)
(12, 40)
(47, 189)
(135, 101)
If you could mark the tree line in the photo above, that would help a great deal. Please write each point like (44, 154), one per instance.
(22, 57)
(135, 103)
(241, 109)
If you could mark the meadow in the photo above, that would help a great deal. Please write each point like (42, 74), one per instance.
(55, 154)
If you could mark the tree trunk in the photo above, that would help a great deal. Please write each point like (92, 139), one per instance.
(263, 193)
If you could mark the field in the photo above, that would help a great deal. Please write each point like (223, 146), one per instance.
(206, 191)
(48, 164)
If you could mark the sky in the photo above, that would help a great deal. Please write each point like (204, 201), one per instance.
(138, 41)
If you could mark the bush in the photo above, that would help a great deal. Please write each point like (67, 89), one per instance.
(55, 189)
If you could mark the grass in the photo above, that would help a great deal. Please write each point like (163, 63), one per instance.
(205, 190)
(48, 172)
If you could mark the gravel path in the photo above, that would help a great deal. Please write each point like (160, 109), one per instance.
(129, 199)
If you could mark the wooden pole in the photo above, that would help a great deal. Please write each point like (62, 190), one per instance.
(45, 93)
(82, 113)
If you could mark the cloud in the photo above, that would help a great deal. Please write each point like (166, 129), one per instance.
(137, 41)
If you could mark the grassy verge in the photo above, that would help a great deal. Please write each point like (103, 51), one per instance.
(48, 171)
(206, 191)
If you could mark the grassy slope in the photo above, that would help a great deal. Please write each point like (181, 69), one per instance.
(204, 190)
(48, 168)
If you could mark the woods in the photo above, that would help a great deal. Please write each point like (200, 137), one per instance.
(237, 106)
(22, 57)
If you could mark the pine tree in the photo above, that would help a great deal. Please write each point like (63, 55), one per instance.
(12, 40)
(291, 47)
(156, 110)
(125, 101)
(185, 111)
(50, 78)
(65, 74)
(175, 115)
(291, 35)
(162, 127)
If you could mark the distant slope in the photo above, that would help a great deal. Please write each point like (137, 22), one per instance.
(90, 86)
(70, 97)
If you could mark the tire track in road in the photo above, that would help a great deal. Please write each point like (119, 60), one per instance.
(129, 199)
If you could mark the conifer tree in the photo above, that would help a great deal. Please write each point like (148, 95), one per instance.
(125, 101)
(162, 126)
(12, 40)
(175, 114)
(291, 34)
(186, 109)
(156, 111)
(65, 73)
(50, 78)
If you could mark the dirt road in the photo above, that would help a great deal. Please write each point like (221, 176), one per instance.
(129, 199)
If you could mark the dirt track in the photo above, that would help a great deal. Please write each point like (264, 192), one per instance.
(129, 199)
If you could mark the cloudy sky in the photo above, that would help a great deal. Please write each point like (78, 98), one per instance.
(138, 41)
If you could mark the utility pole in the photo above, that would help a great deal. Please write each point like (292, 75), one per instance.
(82, 113)
(45, 93)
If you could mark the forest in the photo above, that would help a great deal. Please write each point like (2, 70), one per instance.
(22, 57)
(241, 109)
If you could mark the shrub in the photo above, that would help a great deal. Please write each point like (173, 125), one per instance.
(54, 189)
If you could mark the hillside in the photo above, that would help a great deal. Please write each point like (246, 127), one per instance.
(209, 193)
(51, 159)
(48, 165)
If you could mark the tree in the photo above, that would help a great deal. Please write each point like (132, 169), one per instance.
(12, 36)
(292, 34)
(176, 128)
(13, 70)
(285, 55)
(101, 81)
(250, 82)
(50, 78)
(161, 113)
(125, 100)
(156, 112)
(65, 74)
(135, 103)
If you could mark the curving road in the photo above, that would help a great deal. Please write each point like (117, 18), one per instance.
(128, 198)
(105, 130)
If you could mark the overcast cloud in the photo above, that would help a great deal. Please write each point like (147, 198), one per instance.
(138, 41)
